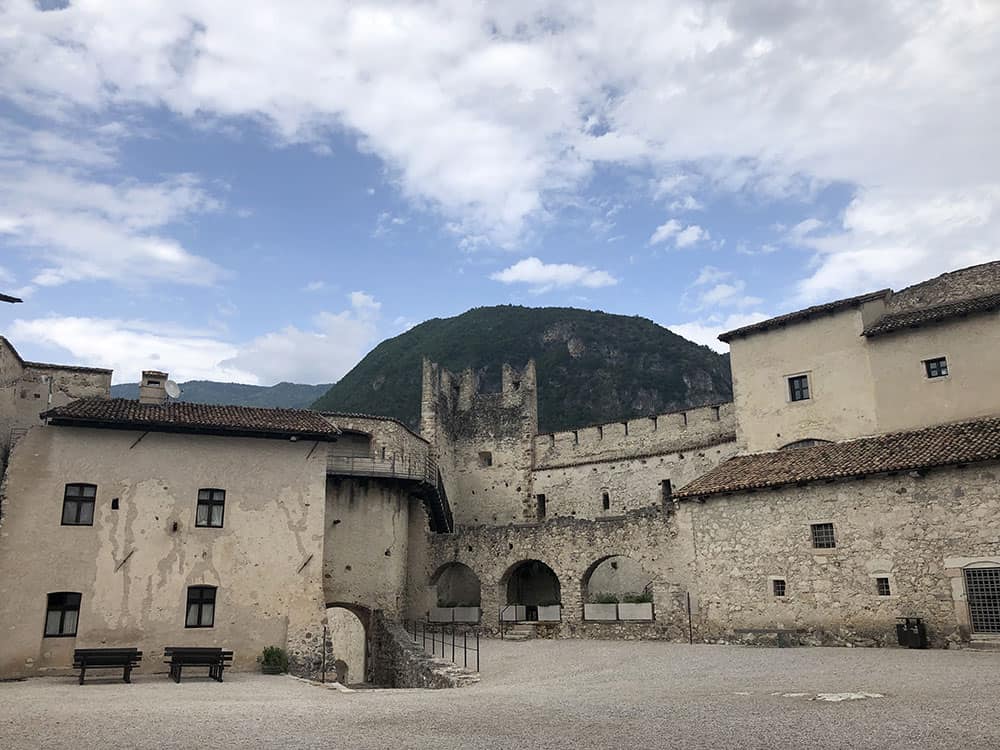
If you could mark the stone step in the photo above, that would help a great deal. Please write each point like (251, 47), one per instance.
(985, 645)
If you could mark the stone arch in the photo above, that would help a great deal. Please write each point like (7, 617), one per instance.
(349, 633)
(532, 588)
(457, 585)
(617, 579)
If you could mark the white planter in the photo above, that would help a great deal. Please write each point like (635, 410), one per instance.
(455, 614)
(600, 612)
(550, 613)
(640, 611)
(513, 613)
(467, 614)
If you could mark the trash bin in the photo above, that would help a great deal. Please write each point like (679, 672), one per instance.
(911, 632)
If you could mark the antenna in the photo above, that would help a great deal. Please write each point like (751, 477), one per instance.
(173, 390)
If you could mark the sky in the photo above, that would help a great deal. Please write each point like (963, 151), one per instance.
(261, 192)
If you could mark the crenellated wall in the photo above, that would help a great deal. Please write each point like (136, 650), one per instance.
(644, 436)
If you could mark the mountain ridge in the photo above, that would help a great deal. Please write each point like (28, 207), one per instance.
(281, 395)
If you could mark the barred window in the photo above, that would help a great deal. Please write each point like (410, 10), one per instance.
(882, 587)
(78, 504)
(211, 508)
(62, 614)
(798, 388)
(778, 586)
(822, 536)
(937, 367)
(200, 607)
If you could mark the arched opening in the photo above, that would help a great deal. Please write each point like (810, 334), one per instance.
(617, 587)
(459, 594)
(347, 648)
(533, 593)
(806, 443)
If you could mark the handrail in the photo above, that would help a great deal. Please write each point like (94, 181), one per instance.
(415, 627)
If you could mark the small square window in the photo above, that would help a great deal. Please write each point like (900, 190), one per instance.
(200, 607)
(485, 458)
(778, 586)
(882, 587)
(62, 614)
(937, 367)
(822, 536)
(798, 388)
(211, 508)
(78, 504)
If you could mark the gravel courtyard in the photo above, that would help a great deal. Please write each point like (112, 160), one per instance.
(542, 694)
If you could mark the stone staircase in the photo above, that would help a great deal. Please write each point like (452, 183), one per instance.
(984, 644)
(519, 632)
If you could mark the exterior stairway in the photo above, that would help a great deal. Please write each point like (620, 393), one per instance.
(520, 632)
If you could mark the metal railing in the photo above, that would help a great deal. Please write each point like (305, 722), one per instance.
(443, 639)
(416, 469)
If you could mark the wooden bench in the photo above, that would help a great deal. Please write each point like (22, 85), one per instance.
(179, 657)
(125, 659)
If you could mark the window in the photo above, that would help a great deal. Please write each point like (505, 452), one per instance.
(540, 506)
(485, 458)
(78, 505)
(605, 501)
(200, 607)
(937, 367)
(62, 614)
(882, 587)
(778, 586)
(211, 508)
(798, 388)
(822, 536)
(667, 489)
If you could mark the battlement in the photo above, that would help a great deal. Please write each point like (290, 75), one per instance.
(660, 433)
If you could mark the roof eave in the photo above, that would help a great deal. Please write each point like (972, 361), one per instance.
(219, 431)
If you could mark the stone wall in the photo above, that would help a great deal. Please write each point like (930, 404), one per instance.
(917, 531)
(402, 663)
(577, 490)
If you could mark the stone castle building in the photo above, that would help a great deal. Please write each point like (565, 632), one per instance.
(853, 480)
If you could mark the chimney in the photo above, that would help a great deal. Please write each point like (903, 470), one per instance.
(152, 389)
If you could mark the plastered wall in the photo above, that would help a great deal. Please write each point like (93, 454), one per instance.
(133, 566)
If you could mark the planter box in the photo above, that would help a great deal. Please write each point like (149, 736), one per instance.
(551, 613)
(641, 611)
(514, 613)
(456, 614)
(271, 669)
(600, 612)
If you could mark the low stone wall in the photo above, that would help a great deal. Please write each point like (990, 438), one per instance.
(401, 663)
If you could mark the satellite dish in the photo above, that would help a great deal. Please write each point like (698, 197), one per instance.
(173, 390)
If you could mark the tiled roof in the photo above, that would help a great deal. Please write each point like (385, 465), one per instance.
(927, 315)
(8, 298)
(943, 445)
(180, 416)
(809, 312)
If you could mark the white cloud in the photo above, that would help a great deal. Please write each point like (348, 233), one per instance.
(495, 113)
(327, 350)
(545, 276)
(706, 332)
(681, 236)
(715, 288)
(315, 286)
(687, 203)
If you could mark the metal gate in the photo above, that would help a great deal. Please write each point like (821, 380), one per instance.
(982, 589)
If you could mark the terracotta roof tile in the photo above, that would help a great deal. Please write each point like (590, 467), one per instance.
(809, 312)
(943, 445)
(927, 315)
(183, 417)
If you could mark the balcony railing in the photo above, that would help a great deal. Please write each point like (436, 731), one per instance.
(417, 469)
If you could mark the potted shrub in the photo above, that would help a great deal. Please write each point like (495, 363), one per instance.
(636, 606)
(601, 607)
(273, 660)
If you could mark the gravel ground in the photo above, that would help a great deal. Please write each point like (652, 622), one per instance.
(538, 695)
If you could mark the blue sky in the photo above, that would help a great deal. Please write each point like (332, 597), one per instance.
(230, 191)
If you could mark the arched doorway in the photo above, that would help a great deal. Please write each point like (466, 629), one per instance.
(533, 593)
(458, 594)
(617, 587)
(348, 643)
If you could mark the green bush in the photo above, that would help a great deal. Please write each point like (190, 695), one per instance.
(637, 597)
(604, 598)
(273, 656)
